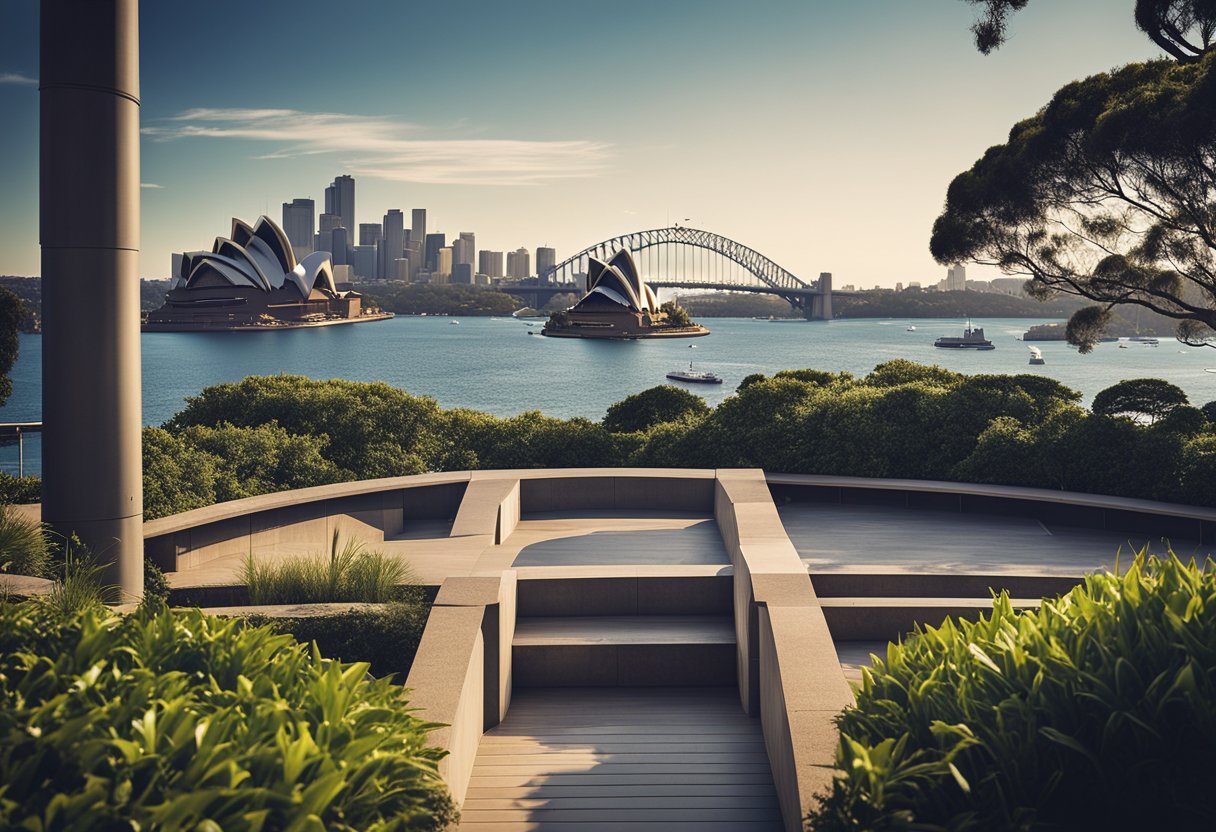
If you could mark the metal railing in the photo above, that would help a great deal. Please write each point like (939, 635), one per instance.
(19, 429)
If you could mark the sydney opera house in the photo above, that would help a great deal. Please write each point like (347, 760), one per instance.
(251, 279)
(618, 304)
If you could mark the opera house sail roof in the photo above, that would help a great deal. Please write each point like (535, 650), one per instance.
(251, 279)
(618, 304)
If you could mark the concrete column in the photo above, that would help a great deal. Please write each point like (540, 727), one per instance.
(89, 228)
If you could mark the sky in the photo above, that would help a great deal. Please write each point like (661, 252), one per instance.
(822, 134)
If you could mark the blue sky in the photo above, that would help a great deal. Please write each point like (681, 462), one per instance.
(823, 134)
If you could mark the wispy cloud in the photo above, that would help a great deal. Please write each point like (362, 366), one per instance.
(386, 148)
(151, 185)
(17, 78)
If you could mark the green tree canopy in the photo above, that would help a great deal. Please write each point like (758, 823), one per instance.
(1109, 193)
(1140, 398)
(11, 312)
(676, 314)
(1182, 28)
(644, 410)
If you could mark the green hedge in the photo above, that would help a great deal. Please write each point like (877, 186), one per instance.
(1095, 712)
(386, 636)
(167, 720)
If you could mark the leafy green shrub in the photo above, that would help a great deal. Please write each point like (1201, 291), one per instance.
(156, 585)
(351, 573)
(385, 636)
(1095, 712)
(655, 406)
(170, 719)
(23, 549)
(21, 490)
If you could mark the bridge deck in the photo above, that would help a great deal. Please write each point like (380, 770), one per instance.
(632, 759)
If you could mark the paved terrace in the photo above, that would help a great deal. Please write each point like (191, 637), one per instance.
(640, 649)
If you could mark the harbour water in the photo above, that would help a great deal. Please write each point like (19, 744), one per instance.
(495, 365)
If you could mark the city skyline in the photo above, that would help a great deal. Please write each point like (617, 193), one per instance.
(803, 130)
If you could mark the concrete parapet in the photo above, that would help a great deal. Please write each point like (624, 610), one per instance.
(461, 675)
(889, 619)
(490, 506)
(446, 685)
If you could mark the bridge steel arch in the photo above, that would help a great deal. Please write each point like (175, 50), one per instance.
(813, 299)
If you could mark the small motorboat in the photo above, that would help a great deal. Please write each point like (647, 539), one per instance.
(454, 323)
(911, 328)
(1036, 355)
(694, 377)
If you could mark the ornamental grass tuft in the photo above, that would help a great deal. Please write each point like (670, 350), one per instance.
(350, 573)
(171, 719)
(1097, 711)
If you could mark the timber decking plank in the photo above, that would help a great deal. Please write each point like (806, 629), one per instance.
(595, 759)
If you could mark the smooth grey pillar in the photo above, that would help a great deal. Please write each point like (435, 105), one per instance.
(89, 96)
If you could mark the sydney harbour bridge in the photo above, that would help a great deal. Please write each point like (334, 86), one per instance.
(687, 258)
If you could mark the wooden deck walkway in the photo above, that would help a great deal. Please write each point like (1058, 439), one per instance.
(635, 759)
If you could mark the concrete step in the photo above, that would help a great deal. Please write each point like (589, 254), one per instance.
(624, 651)
(618, 591)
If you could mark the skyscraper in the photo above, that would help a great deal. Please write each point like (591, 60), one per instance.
(418, 228)
(546, 259)
(489, 263)
(434, 242)
(392, 244)
(519, 264)
(956, 278)
(462, 273)
(443, 263)
(340, 200)
(338, 248)
(370, 233)
(299, 224)
(464, 248)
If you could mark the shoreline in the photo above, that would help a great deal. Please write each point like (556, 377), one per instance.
(255, 327)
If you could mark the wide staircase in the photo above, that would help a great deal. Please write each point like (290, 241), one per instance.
(622, 717)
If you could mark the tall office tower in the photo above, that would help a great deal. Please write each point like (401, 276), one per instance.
(340, 200)
(546, 259)
(338, 248)
(464, 249)
(299, 224)
(413, 250)
(443, 262)
(489, 263)
(328, 222)
(392, 243)
(462, 273)
(519, 264)
(956, 278)
(363, 261)
(370, 233)
(418, 229)
(434, 242)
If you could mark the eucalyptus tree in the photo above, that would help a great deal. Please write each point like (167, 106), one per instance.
(1108, 192)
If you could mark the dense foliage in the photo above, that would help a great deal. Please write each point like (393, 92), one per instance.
(1094, 712)
(417, 298)
(175, 720)
(27, 489)
(644, 410)
(386, 636)
(901, 420)
(911, 303)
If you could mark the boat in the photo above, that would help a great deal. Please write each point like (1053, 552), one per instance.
(911, 328)
(1147, 340)
(1036, 355)
(973, 339)
(454, 323)
(694, 377)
